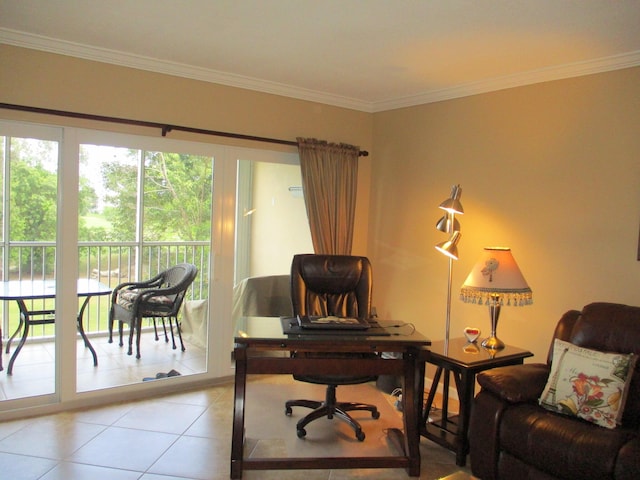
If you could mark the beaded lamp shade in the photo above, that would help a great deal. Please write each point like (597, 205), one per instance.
(496, 280)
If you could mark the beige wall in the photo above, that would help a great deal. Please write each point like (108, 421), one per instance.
(275, 225)
(551, 170)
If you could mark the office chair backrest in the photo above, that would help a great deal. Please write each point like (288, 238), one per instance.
(338, 285)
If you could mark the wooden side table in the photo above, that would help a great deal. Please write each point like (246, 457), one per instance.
(463, 361)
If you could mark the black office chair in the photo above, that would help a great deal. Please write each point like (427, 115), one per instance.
(158, 297)
(337, 285)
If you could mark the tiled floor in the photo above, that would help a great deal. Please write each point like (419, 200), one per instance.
(187, 436)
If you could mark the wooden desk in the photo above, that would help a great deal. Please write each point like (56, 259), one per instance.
(22, 290)
(462, 360)
(252, 357)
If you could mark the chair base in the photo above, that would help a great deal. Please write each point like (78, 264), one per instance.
(330, 408)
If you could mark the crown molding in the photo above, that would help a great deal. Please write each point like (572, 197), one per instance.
(63, 47)
(559, 72)
(72, 49)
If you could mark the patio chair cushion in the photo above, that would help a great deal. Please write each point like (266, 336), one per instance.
(126, 299)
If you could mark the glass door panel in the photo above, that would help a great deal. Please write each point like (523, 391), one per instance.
(29, 177)
(141, 212)
(271, 226)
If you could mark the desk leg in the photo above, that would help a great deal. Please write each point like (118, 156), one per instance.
(237, 436)
(87, 343)
(412, 409)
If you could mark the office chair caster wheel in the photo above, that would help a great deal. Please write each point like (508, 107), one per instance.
(360, 435)
(375, 415)
(302, 433)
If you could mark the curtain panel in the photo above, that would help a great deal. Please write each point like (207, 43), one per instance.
(329, 181)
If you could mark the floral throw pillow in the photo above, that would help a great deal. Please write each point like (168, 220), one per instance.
(588, 384)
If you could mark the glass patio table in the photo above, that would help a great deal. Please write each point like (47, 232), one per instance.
(23, 290)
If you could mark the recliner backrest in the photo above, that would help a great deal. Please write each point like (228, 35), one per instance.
(338, 285)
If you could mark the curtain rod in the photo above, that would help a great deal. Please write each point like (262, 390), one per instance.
(165, 128)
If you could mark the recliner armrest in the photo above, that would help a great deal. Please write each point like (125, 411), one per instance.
(516, 383)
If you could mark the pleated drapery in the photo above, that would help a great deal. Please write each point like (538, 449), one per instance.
(329, 182)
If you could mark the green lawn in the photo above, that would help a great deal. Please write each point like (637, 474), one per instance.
(94, 221)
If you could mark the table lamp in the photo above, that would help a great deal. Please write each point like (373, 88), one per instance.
(449, 224)
(496, 280)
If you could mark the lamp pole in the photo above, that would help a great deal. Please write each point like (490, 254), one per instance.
(450, 249)
(448, 321)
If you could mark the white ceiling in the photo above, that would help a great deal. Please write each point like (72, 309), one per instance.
(369, 55)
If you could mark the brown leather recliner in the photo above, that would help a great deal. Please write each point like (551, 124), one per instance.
(512, 437)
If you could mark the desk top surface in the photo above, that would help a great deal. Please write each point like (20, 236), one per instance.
(31, 289)
(392, 335)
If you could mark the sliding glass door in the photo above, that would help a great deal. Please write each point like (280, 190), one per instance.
(84, 211)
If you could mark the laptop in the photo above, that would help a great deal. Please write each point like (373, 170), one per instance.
(330, 322)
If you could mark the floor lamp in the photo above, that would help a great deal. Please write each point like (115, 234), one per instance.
(450, 225)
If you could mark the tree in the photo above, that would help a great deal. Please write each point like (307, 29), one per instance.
(33, 192)
(32, 203)
(33, 197)
(177, 197)
(121, 199)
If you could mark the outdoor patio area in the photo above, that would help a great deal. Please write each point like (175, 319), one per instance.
(34, 368)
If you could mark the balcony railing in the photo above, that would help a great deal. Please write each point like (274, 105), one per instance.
(108, 262)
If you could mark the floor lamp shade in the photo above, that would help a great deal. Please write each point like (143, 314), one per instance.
(452, 204)
(496, 280)
(450, 247)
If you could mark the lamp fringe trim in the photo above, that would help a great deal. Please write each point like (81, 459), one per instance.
(516, 298)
